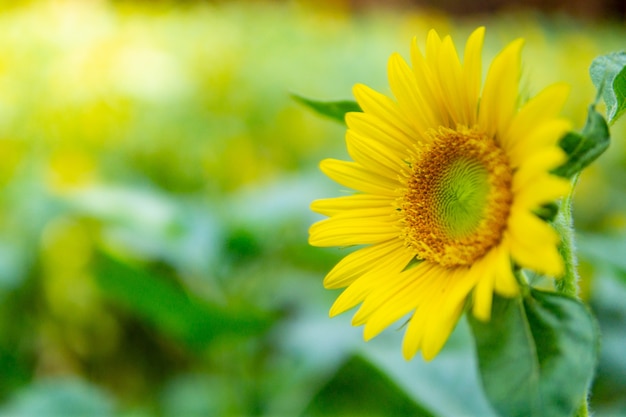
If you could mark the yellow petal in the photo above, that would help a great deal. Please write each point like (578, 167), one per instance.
(358, 178)
(440, 329)
(339, 205)
(390, 119)
(536, 167)
(483, 292)
(542, 137)
(533, 243)
(415, 331)
(448, 308)
(371, 127)
(371, 154)
(500, 94)
(450, 79)
(429, 86)
(505, 282)
(386, 214)
(542, 189)
(396, 299)
(544, 260)
(353, 295)
(360, 288)
(433, 45)
(540, 109)
(472, 72)
(349, 231)
(483, 298)
(362, 261)
(526, 227)
(431, 59)
(435, 317)
(404, 88)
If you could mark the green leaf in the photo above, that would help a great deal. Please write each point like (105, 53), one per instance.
(448, 386)
(608, 73)
(334, 109)
(537, 354)
(170, 309)
(377, 394)
(583, 148)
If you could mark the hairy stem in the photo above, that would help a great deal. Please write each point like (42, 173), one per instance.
(568, 284)
(564, 224)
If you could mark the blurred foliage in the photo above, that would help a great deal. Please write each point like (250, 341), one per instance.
(155, 177)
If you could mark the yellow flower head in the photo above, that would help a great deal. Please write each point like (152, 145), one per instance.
(447, 180)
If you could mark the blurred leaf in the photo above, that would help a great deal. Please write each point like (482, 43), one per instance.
(334, 109)
(18, 318)
(448, 386)
(608, 73)
(152, 224)
(599, 248)
(242, 245)
(583, 148)
(12, 265)
(359, 389)
(607, 300)
(194, 395)
(170, 309)
(604, 250)
(59, 397)
(537, 355)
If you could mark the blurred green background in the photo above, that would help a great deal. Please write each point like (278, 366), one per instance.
(155, 179)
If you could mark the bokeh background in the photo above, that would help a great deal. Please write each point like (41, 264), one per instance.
(155, 178)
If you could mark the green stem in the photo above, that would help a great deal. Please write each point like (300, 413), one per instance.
(568, 284)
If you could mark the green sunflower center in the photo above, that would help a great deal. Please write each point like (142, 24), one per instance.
(461, 195)
(458, 198)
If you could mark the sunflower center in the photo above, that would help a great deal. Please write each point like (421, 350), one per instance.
(458, 197)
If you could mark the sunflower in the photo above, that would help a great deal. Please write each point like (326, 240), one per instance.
(447, 182)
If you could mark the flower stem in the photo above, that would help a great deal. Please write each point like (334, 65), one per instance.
(568, 284)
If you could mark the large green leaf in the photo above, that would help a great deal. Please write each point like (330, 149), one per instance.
(608, 73)
(336, 110)
(537, 354)
(583, 148)
(170, 309)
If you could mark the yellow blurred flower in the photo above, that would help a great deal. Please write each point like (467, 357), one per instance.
(447, 182)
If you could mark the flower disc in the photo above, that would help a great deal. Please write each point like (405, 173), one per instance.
(458, 198)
